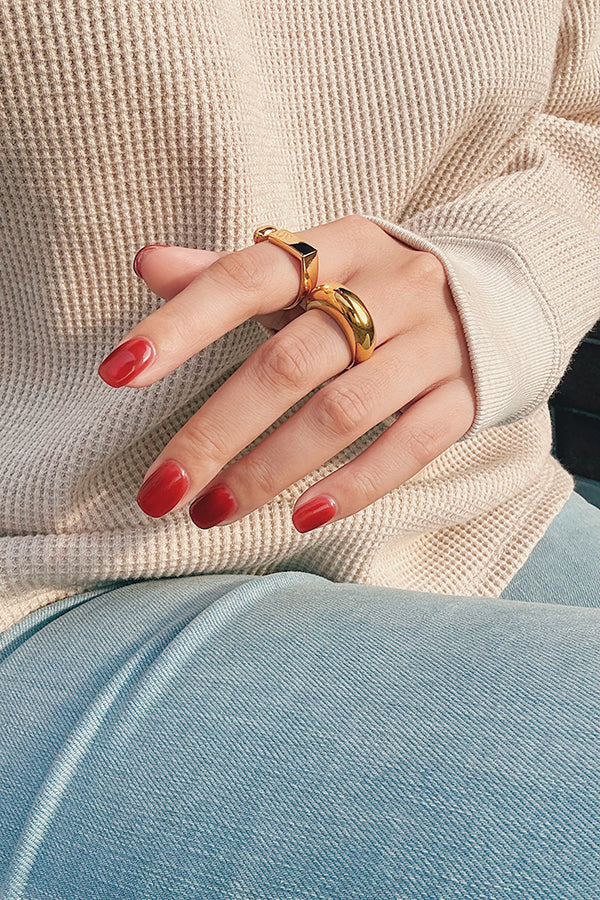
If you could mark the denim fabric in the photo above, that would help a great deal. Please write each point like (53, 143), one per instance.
(564, 566)
(284, 736)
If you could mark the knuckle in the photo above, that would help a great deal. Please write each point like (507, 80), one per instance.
(260, 475)
(356, 231)
(357, 224)
(341, 410)
(420, 444)
(365, 486)
(206, 444)
(424, 266)
(240, 269)
(172, 330)
(285, 362)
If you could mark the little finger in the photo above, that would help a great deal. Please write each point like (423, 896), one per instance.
(425, 430)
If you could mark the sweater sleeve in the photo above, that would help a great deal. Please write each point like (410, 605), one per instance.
(521, 249)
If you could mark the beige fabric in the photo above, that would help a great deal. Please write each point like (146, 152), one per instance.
(467, 127)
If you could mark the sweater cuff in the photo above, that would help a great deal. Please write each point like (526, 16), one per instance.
(511, 334)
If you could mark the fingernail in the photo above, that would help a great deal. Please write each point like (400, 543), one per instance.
(163, 490)
(314, 513)
(212, 507)
(137, 259)
(126, 361)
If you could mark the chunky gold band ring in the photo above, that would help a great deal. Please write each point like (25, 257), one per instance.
(308, 256)
(350, 313)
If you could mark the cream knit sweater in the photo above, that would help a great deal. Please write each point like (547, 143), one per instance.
(463, 127)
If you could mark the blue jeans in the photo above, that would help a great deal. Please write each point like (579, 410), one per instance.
(284, 736)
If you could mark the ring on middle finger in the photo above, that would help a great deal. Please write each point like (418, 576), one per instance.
(308, 256)
(351, 314)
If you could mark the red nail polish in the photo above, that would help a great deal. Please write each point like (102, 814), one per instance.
(139, 255)
(314, 513)
(162, 490)
(126, 361)
(212, 507)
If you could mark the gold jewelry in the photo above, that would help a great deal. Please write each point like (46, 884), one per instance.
(308, 256)
(350, 313)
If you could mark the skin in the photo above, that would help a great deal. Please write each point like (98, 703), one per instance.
(420, 365)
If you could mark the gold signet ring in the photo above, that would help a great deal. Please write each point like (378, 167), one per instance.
(350, 313)
(308, 256)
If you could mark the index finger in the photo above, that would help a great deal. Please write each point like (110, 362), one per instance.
(258, 279)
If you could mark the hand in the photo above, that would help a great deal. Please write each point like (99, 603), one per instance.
(420, 368)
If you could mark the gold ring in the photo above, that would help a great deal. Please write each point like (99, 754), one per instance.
(308, 256)
(350, 313)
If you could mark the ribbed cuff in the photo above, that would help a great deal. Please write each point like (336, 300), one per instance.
(510, 333)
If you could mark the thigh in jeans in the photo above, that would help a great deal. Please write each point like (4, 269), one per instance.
(266, 737)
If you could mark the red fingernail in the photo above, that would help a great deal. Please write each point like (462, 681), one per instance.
(212, 507)
(138, 257)
(314, 513)
(162, 490)
(126, 361)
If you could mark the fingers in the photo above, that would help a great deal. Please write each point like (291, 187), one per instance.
(427, 428)
(282, 371)
(417, 357)
(276, 376)
(329, 421)
(260, 278)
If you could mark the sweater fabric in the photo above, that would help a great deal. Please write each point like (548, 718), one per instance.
(468, 128)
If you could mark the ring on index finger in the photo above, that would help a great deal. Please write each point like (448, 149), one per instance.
(308, 256)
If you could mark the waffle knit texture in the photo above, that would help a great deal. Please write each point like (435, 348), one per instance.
(468, 128)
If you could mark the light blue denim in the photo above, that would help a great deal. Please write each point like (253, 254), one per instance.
(285, 737)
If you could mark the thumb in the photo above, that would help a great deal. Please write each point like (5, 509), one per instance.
(168, 270)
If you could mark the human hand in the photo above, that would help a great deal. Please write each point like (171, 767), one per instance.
(420, 367)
